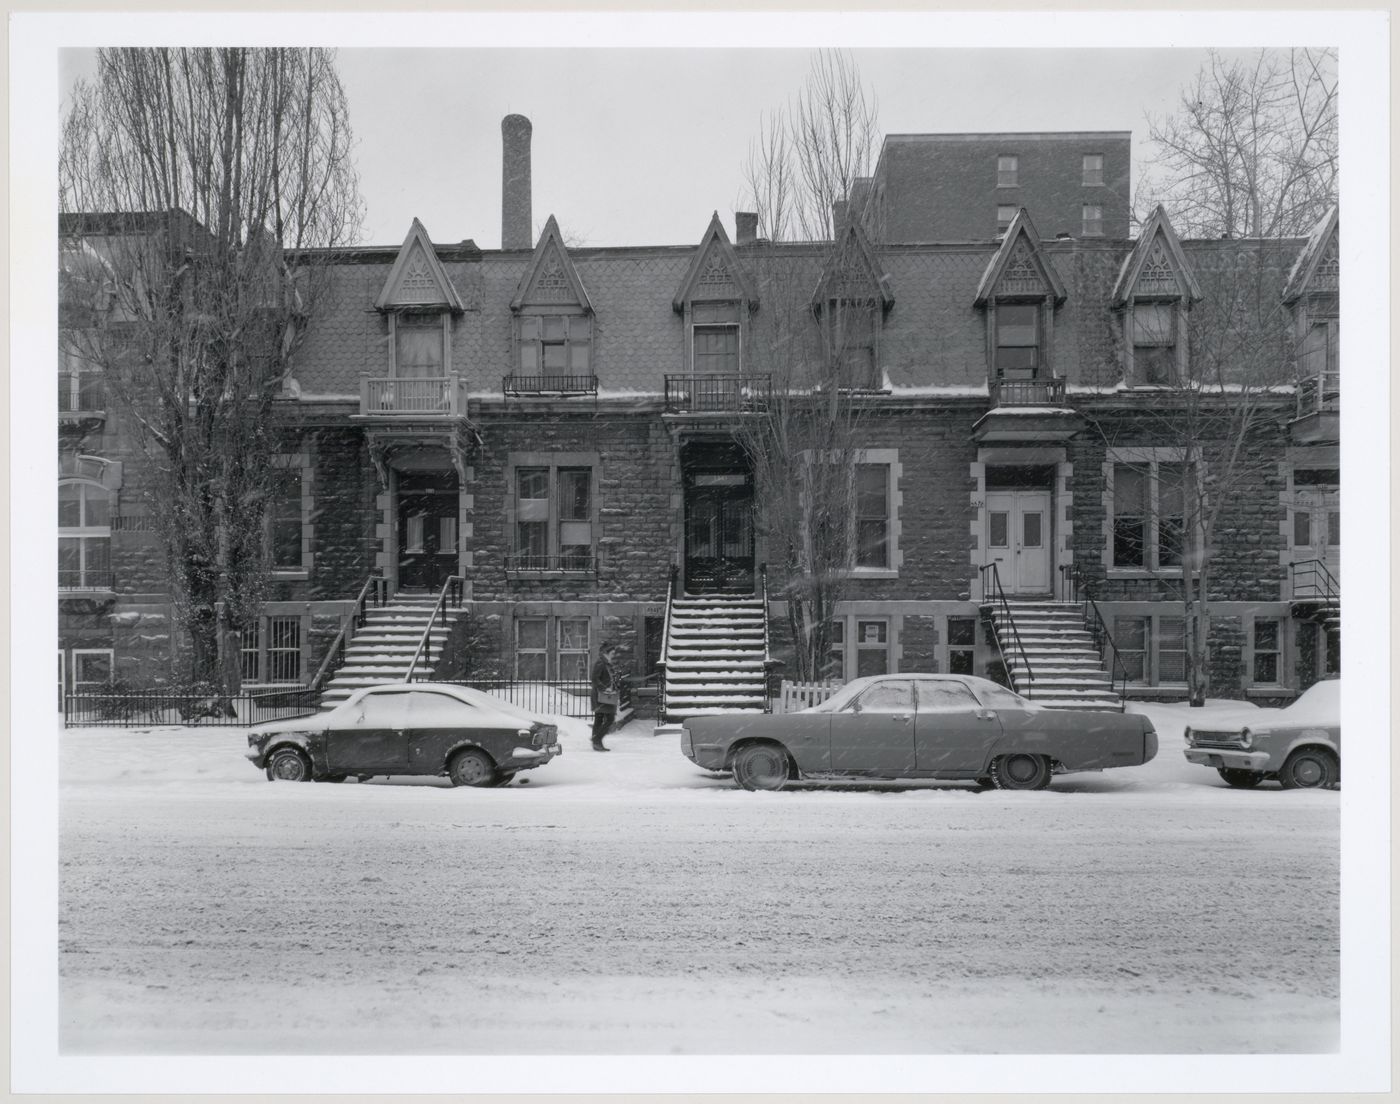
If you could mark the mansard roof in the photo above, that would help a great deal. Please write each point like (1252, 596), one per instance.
(714, 272)
(417, 279)
(550, 278)
(1019, 267)
(853, 271)
(1317, 267)
(1156, 265)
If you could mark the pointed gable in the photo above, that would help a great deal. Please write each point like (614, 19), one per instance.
(714, 272)
(418, 278)
(1019, 267)
(550, 279)
(1156, 266)
(1318, 267)
(853, 272)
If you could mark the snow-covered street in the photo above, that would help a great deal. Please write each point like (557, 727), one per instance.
(630, 903)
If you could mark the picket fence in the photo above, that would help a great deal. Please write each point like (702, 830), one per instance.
(802, 695)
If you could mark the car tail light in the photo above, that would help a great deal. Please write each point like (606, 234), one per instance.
(545, 735)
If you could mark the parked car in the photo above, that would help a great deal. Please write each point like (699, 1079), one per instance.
(1300, 745)
(918, 726)
(473, 738)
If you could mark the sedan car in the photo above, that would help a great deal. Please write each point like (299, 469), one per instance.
(918, 726)
(473, 738)
(1300, 745)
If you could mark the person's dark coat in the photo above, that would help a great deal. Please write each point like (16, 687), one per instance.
(603, 679)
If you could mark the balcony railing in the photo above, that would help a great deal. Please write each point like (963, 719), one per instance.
(1027, 392)
(529, 561)
(84, 579)
(1319, 394)
(441, 396)
(550, 385)
(718, 394)
(81, 393)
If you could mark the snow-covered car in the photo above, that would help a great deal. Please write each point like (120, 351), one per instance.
(918, 726)
(473, 738)
(1300, 745)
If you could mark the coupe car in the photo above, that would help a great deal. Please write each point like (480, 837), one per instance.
(473, 738)
(918, 726)
(1300, 745)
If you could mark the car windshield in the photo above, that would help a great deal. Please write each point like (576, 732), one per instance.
(1321, 703)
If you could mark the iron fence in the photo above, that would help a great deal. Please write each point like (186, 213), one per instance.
(557, 384)
(141, 708)
(564, 697)
(718, 394)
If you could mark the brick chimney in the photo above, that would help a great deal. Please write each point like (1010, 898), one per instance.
(515, 183)
(745, 227)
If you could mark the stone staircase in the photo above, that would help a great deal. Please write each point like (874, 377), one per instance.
(382, 649)
(714, 654)
(1069, 672)
(1326, 612)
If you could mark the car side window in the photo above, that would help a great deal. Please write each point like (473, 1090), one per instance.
(945, 697)
(437, 710)
(888, 697)
(997, 698)
(383, 711)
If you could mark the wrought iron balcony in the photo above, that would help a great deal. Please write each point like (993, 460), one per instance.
(1027, 392)
(425, 396)
(718, 394)
(532, 562)
(1320, 394)
(88, 579)
(81, 395)
(550, 385)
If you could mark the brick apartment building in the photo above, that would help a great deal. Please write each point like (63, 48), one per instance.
(555, 426)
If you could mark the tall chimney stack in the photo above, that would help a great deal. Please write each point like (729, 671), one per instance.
(745, 227)
(515, 182)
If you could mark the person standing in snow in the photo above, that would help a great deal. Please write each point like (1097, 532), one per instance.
(605, 696)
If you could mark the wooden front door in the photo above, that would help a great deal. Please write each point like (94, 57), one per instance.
(427, 539)
(719, 532)
(1018, 539)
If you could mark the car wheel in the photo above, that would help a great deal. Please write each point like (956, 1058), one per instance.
(1240, 778)
(762, 767)
(1309, 769)
(503, 778)
(472, 767)
(288, 765)
(1021, 772)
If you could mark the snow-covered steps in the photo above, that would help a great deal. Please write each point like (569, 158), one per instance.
(714, 651)
(382, 649)
(1051, 655)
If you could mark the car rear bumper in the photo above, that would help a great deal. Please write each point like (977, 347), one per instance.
(1233, 759)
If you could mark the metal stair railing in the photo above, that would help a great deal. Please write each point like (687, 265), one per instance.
(767, 656)
(1097, 628)
(452, 591)
(1318, 579)
(666, 637)
(335, 655)
(1005, 606)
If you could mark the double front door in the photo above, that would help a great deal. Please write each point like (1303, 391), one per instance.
(1317, 535)
(427, 539)
(719, 532)
(1018, 539)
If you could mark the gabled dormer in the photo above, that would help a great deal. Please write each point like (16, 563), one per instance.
(1154, 292)
(1019, 292)
(851, 301)
(714, 300)
(552, 324)
(418, 302)
(1312, 293)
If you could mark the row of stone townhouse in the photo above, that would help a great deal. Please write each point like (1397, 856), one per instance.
(556, 426)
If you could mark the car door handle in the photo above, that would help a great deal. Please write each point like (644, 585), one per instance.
(900, 716)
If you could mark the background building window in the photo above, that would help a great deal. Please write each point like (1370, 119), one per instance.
(872, 515)
(553, 519)
(556, 345)
(1005, 214)
(716, 338)
(92, 669)
(1130, 507)
(270, 650)
(1171, 513)
(1093, 220)
(1154, 342)
(1152, 651)
(418, 346)
(553, 649)
(573, 649)
(1266, 651)
(1149, 513)
(850, 332)
(532, 648)
(84, 536)
(872, 647)
(1007, 169)
(284, 520)
(1171, 650)
(1018, 340)
(962, 644)
(1093, 169)
(1130, 641)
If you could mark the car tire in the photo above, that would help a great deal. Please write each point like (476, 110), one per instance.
(1021, 772)
(1310, 769)
(762, 767)
(471, 767)
(288, 765)
(503, 778)
(1239, 778)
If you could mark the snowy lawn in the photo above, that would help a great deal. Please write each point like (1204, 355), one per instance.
(631, 903)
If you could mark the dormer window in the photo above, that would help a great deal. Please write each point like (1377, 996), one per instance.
(1154, 342)
(851, 328)
(556, 345)
(1018, 340)
(715, 335)
(420, 342)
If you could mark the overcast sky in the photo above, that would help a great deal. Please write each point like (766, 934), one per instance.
(639, 146)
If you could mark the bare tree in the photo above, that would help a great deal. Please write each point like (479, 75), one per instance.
(815, 337)
(198, 184)
(1251, 150)
(809, 154)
